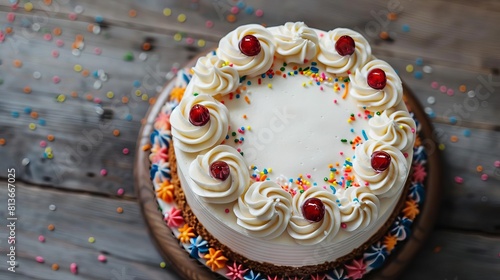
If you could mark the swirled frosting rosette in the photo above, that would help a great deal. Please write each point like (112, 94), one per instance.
(213, 190)
(264, 210)
(388, 182)
(251, 66)
(309, 233)
(393, 127)
(340, 64)
(213, 76)
(376, 99)
(296, 42)
(360, 208)
(191, 138)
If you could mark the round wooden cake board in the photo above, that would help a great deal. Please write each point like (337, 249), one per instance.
(177, 258)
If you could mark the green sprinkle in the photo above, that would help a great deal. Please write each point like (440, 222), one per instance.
(325, 179)
(343, 140)
(284, 64)
(129, 56)
(195, 94)
(233, 133)
(346, 80)
(236, 140)
(282, 68)
(378, 113)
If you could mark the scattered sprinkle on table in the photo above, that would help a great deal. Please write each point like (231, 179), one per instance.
(52, 207)
(51, 227)
(163, 265)
(39, 259)
(119, 210)
(484, 177)
(73, 268)
(91, 239)
(102, 258)
(55, 266)
(41, 238)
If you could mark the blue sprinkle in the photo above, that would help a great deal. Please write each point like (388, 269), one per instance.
(249, 83)
(352, 130)
(313, 69)
(249, 10)
(270, 76)
(466, 133)
(15, 114)
(343, 85)
(348, 163)
(370, 116)
(432, 115)
(265, 171)
(405, 28)
(128, 117)
(291, 180)
(339, 204)
(453, 120)
(227, 137)
(333, 169)
(364, 134)
(27, 110)
(254, 175)
(240, 4)
(295, 72)
(42, 122)
(314, 63)
(418, 75)
(137, 83)
(334, 190)
(99, 19)
(237, 96)
(242, 139)
(263, 75)
(95, 74)
(336, 79)
(419, 61)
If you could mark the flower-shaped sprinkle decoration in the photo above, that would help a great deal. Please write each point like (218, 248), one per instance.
(251, 275)
(186, 233)
(356, 269)
(390, 242)
(410, 209)
(236, 271)
(174, 217)
(215, 259)
(337, 273)
(198, 247)
(375, 255)
(199, 122)
(165, 191)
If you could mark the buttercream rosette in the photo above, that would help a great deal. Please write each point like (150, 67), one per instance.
(393, 127)
(359, 208)
(217, 191)
(213, 76)
(191, 138)
(296, 42)
(309, 233)
(264, 210)
(250, 66)
(338, 64)
(376, 99)
(388, 182)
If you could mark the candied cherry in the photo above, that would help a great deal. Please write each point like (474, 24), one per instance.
(376, 78)
(220, 170)
(313, 209)
(199, 115)
(250, 45)
(380, 161)
(345, 45)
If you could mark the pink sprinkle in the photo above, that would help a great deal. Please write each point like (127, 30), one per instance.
(412, 130)
(434, 85)
(97, 51)
(209, 24)
(55, 53)
(125, 151)
(97, 100)
(343, 225)
(450, 92)
(189, 40)
(43, 144)
(366, 183)
(308, 176)
(497, 163)
(234, 10)
(59, 43)
(72, 16)
(73, 268)
(443, 89)
(335, 101)
(321, 88)
(459, 180)
(47, 37)
(341, 153)
(227, 210)
(104, 172)
(39, 259)
(102, 258)
(56, 79)
(259, 12)
(484, 177)
(41, 238)
(405, 154)
(11, 17)
(120, 191)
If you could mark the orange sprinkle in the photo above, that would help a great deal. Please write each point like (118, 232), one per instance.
(55, 267)
(47, 2)
(152, 101)
(27, 89)
(2, 141)
(231, 18)
(90, 27)
(392, 16)
(79, 38)
(295, 67)
(8, 30)
(278, 72)
(119, 210)
(146, 46)
(50, 137)
(384, 35)
(132, 13)
(247, 99)
(74, 45)
(85, 73)
(462, 88)
(345, 91)
(146, 147)
(51, 227)
(454, 138)
(124, 100)
(17, 63)
(116, 132)
(34, 115)
(89, 97)
(57, 31)
(245, 117)
(479, 168)
(74, 94)
(244, 88)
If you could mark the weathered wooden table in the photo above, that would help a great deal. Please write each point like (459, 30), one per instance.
(75, 83)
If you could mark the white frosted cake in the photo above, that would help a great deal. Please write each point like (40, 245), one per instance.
(290, 150)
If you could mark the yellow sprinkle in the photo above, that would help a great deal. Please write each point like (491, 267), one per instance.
(177, 37)
(145, 97)
(28, 7)
(50, 155)
(441, 147)
(61, 98)
(304, 84)
(401, 126)
(110, 94)
(249, 128)
(201, 43)
(163, 265)
(349, 121)
(77, 68)
(310, 82)
(409, 68)
(167, 12)
(269, 85)
(138, 92)
(91, 239)
(269, 170)
(181, 18)
(32, 126)
(48, 150)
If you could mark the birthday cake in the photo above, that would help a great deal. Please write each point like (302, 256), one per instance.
(287, 152)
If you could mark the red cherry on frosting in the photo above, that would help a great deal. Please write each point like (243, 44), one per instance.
(345, 45)
(219, 170)
(199, 115)
(380, 161)
(376, 78)
(250, 45)
(313, 209)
